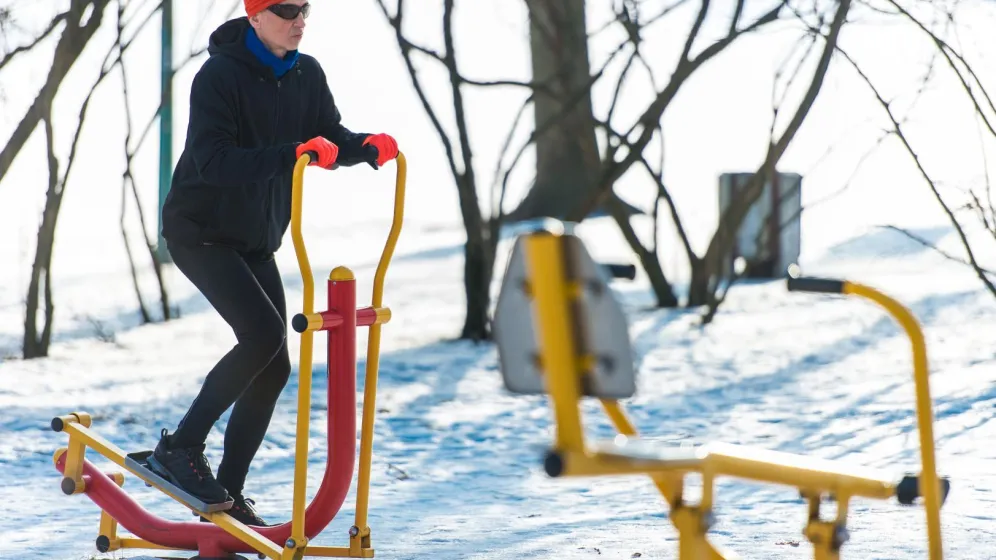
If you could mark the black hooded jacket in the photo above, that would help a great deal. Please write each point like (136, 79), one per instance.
(232, 183)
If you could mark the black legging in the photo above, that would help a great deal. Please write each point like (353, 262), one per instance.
(249, 295)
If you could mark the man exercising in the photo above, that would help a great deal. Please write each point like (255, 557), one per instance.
(256, 105)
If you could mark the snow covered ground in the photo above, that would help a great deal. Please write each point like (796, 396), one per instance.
(457, 469)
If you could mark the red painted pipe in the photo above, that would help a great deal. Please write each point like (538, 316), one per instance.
(365, 317)
(209, 539)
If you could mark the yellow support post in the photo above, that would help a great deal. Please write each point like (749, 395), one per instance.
(670, 486)
(930, 482)
(297, 538)
(359, 534)
(108, 527)
(549, 287)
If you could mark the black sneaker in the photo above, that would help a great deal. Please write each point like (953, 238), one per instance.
(245, 513)
(189, 469)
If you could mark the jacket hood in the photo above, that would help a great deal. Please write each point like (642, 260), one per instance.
(230, 39)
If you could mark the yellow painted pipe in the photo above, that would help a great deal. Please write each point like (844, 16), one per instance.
(373, 359)
(545, 270)
(306, 356)
(930, 484)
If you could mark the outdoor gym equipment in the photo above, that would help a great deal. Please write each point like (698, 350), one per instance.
(561, 332)
(224, 535)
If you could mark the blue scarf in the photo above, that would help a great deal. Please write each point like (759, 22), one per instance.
(279, 65)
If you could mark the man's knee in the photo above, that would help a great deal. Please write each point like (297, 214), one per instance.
(279, 369)
(266, 341)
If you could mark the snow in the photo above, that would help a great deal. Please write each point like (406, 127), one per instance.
(457, 470)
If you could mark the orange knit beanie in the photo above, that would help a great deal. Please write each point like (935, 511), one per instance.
(253, 7)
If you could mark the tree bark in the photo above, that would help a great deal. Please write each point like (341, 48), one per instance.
(477, 274)
(567, 160)
(651, 264)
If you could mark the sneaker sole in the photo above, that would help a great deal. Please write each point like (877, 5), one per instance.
(154, 473)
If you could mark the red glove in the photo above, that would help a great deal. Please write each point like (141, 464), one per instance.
(327, 151)
(387, 147)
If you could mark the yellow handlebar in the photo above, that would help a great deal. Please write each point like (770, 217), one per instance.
(307, 276)
(392, 237)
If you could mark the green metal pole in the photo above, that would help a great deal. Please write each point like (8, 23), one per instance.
(165, 122)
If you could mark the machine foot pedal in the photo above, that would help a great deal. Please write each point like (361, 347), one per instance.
(139, 465)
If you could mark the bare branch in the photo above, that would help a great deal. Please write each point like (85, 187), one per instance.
(934, 247)
(675, 217)
(44, 34)
(948, 53)
(648, 260)
(694, 33)
(652, 115)
(127, 176)
(498, 205)
(68, 49)
(897, 129)
(795, 73)
(405, 46)
(458, 105)
(514, 83)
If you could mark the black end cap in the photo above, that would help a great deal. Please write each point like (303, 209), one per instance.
(68, 486)
(553, 464)
(621, 271)
(58, 425)
(299, 323)
(908, 489)
(103, 543)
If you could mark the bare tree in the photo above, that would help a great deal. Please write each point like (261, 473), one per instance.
(567, 149)
(482, 233)
(81, 21)
(128, 182)
(707, 287)
(79, 24)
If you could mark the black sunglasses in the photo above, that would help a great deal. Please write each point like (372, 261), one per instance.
(290, 11)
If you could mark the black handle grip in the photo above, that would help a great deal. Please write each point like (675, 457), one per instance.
(621, 271)
(818, 285)
(368, 154)
(908, 489)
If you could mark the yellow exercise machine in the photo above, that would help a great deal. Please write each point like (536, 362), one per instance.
(224, 535)
(561, 332)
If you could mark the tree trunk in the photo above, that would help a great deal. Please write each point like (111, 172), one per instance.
(651, 264)
(35, 346)
(567, 160)
(71, 44)
(477, 273)
(478, 261)
(700, 283)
